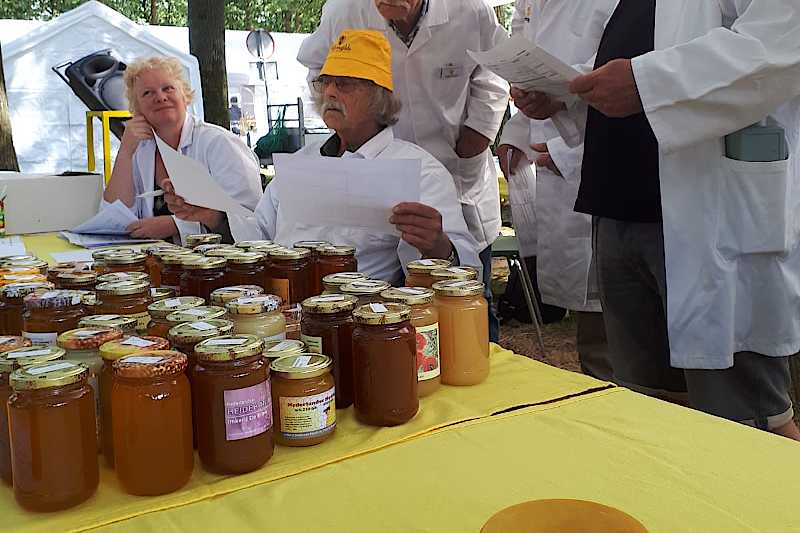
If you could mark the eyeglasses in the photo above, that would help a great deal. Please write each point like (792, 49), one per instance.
(344, 85)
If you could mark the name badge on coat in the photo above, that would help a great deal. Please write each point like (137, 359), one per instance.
(451, 70)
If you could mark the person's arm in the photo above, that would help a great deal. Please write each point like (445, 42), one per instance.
(121, 186)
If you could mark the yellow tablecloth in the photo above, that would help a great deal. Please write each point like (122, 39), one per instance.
(673, 469)
(514, 381)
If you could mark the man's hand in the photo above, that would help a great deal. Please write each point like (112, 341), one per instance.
(421, 227)
(210, 218)
(470, 143)
(153, 228)
(611, 89)
(136, 129)
(536, 105)
(516, 157)
(544, 159)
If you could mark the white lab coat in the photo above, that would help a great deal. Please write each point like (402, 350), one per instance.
(731, 228)
(380, 256)
(230, 162)
(440, 87)
(571, 30)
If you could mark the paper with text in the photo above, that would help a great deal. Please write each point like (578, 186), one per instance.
(112, 219)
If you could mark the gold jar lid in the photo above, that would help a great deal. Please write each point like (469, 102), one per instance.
(301, 366)
(246, 258)
(254, 305)
(204, 249)
(224, 295)
(426, 266)
(458, 288)
(53, 299)
(203, 312)
(194, 332)
(246, 245)
(330, 303)
(336, 250)
(130, 344)
(48, 375)
(178, 259)
(455, 272)
(121, 250)
(7, 279)
(125, 258)
(78, 278)
(281, 348)
(264, 248)
(162, 308)
(342, 278)
(161, 293)
(223, 251)
(289, 254)
(123, 288)
(311, 245)
(90, 338)
(158, 248)
(365, 287)
(70, 266)
(112, 277)
(28, 262)
(203, 238)
(408, 295)
(18, 290)
(125, 323)
(27, 356)
(171, 252)
(378, 314)
(229, 348)
(205, 263)
(16, 258)
(150, 364)
(19, 270)
(12, 342)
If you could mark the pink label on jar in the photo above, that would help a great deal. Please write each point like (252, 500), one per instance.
(248, 411)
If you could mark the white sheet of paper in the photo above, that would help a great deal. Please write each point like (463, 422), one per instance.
(79, 256)
(113, 219)
(522, 200)
(360, 193)
(528, 67)
(193, 182)
(96, 241)
(12, 246)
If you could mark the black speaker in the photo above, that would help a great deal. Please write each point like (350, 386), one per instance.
(97, 80)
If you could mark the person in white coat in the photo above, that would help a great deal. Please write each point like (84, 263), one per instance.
(159, 94)
(570, 30)
(451, 106)
(717, 303)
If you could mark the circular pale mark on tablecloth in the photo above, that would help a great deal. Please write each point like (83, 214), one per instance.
(562, 516)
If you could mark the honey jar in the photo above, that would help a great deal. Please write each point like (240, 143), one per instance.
(224, 295)
(161, 293)
(12, 307)
(259, 316)
(126, 324)
(314, 247)
(290, 274)
(49, 313)
(367, 291)
(201, 276)
(127, 298)
(203, 238)
(246, 268)
(82, 281)
(113, 277)
(123, 262)
(332, 283)
(168, 267)
(418, 273)
(159, 326)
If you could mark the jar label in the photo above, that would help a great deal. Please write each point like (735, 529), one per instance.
(279, 337)
(51, 368)
(138, 342)
(195, 312)
(104, 318)
(201, 326)
(313, 344)
(144, 359)
(248, 411)
(427, 352)
(304, 417)
(28, 353)
(172, 302)
(281, 346)
(280, 287)
(45, 339)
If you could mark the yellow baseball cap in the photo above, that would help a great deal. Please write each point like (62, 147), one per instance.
(363, 54)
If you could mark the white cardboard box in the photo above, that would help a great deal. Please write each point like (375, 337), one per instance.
(37, 203)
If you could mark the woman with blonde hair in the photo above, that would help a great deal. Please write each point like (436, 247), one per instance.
(159, 94)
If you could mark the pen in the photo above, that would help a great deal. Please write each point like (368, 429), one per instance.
(151, 194)
(510, 155)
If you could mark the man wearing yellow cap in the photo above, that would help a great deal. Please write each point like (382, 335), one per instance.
(452, 107)
(354, 96)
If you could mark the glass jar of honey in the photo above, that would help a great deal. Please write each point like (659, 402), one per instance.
(259, 316)
(202, 276)
(224, 295)
(99, 257)
(161, 293)
(159, 326)
(463, 332)
(68, 266)
(425, 319)
(115, 277)
(367, 291)
(303, 399)
(292, 313)
(248, 245)
(10, 360)
(314, 247)
(53, 437)
(418, 273)
(49, 313)
(81, 281)
(278, 349)
(456, 273)
(127, 298)
(246, 268)
(332, 283)
(291, 274)
(13, 342)
(335, 259)
(34, 264)
(126, 324)
(203, 238)
(184, 337)
(327, 328)
(152, 262)
(233, 405)
(124, 262)
(110, 352)
(385, 365)
(169, 267)
(11, 305)
(151, 410)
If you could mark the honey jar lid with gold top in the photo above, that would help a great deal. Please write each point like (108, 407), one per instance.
(123, 288)
(130, 344)
(229, 348)
(85, 278)
(379, 314)
(203, 238)
(28, 355)
(336, 250)
(454, 272)
(426, 266)
(90, 338)
(173, 252)
(203, 312)
(112, 277)
(125, 323)
(408, 295)
(12, 342)
(161, 293)
(158, 248)
(18, 290)
(365, 287)
(48, 375)
(301, 366)
(253, 305)
(342, 278)
(178, 259)
(246, 245)
(330, 303)
(162, 308)
(246, 258)
(224, 295)
(150, 364)
(458, 288)
(28, 263)
(124, 258)
(200, 330)
(223, 251)
(311, 245)
(275, 349)
(289, 254)
(205, 263)
(204, 249)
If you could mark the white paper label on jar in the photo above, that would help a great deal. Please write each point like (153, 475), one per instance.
(172, 302)
(48, 294)
(378, 308)
(456, 270)
(226, 342)
(302, 361)
(426, 262)
(254, 299)
(460, 283)
(41, 338)
(411, 290)
(195, 312)
(4, 340)
(143, 359)
(137, 341)
(28, 353)
(330, 298)
(51, 368)
(104, 318)
(201, 326)
(281, 346)
(88, 333)
(313, 344)
(279, 337)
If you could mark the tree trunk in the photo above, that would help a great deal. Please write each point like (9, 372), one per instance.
(206, 20)
(8, 156)
(153, 12)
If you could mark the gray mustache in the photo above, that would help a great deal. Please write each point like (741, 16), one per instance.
(333, 106)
